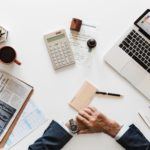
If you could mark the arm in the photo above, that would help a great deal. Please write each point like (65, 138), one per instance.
(54, 138)
(133, 139)
(130, 138)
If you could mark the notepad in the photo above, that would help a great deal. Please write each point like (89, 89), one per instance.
(83, 97)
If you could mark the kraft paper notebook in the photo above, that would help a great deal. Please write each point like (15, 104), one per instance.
(83, 97)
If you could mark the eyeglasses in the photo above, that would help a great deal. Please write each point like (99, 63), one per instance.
(3, 34)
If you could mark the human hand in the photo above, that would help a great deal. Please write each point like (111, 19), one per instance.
(90, 120)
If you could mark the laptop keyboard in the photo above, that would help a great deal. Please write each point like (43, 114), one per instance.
(137, 48)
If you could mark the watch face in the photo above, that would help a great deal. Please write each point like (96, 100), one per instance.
(74, 128)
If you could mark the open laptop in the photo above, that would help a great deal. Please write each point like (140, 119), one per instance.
(130, 56)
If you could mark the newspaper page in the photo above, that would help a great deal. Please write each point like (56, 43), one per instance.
(13, 94)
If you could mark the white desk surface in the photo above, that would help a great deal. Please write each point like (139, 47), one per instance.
(27, 22)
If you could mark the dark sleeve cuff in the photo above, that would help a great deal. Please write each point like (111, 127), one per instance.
(54, 138)
(56, 129)
(133, 139)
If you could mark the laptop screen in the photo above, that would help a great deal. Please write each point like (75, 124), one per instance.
(143, 22)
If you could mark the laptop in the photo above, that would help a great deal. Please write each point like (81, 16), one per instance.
(130, 56)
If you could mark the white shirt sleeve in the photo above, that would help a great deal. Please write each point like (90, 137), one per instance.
(122, 131)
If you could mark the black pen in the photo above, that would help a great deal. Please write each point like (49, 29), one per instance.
(107, 93)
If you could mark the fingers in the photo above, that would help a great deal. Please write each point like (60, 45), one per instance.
(84, 114)
(89, 111)
(83, 120)
(93, 109)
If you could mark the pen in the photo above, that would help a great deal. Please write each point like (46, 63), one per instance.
(107, 93)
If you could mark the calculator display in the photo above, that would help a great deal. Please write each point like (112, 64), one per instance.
(57, 37)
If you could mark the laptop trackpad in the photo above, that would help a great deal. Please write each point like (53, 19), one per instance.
(145, 86)
(133, 72)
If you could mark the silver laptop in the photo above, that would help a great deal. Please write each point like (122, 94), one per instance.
(130, 56)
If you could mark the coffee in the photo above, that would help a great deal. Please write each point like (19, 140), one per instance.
(7, 54)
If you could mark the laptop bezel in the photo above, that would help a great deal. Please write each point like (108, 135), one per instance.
(140, 29)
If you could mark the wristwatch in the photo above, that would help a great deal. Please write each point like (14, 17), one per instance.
(73, 126)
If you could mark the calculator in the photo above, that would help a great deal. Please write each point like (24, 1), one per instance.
(59, 49)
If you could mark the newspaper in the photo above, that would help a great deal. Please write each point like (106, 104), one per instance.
(13, 94)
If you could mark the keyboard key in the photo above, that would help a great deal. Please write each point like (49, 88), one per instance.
(131, 44)
(146, 46)
(141, 52)
(127, 50)
(125, 44)
(139, 56)
(129, 37)
(142, 48)
(124, 48)
(142, 59)
(146, 57)
(139, 45)
(141, 41)
(133, 40)
(140, 62)
(127, 40)
(132, 33)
